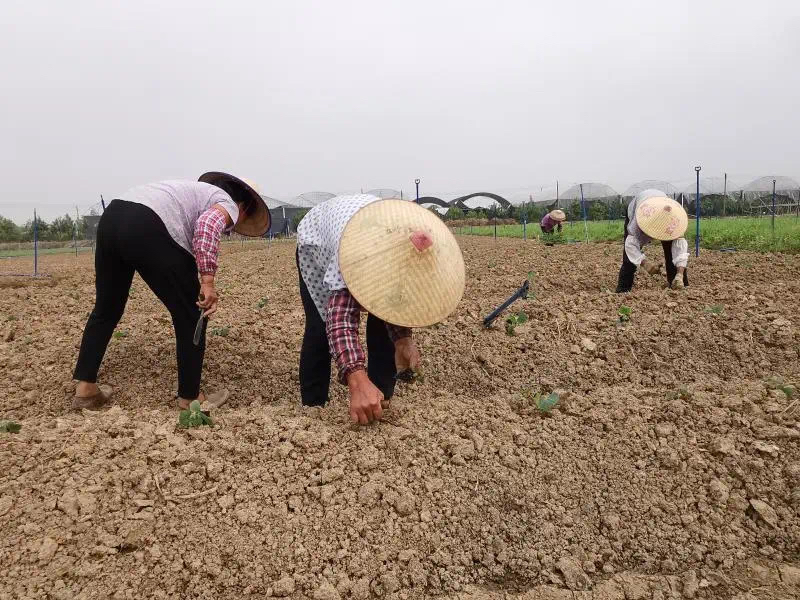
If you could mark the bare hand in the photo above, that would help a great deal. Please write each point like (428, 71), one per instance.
(365, 399)
(406, 355)
(208, 298)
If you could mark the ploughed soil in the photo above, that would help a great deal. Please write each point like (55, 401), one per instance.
(669, 468)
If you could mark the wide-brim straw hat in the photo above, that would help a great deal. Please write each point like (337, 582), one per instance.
(402, 263)
(558, 215)
(258, 221)
(662, 218)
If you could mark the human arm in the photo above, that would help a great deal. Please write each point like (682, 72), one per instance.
(406, 354)
(205, 245)
(343, 314)
(633, 249)
(680, 252)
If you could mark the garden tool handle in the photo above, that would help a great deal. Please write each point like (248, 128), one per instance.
(522, 292)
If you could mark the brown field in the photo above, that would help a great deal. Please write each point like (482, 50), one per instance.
(630, 488)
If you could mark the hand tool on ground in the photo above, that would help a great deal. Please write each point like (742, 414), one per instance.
(522, 292)
(198, 330)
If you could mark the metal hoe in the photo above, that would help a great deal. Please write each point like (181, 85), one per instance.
(520, 293)
(198, 329)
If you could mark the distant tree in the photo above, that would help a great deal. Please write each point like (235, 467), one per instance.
(42, 227)
(61, 229)
(299, 217)
(9, 231)
(454, 213)
(598, 211)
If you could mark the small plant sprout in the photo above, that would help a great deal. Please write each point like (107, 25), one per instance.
(118, 335)
(194, 417)
(716, 309)
(9, 427)
(220, 331)
(262, 303)
(544, 403)
(514, 320)
(682, 393)
(624, 314)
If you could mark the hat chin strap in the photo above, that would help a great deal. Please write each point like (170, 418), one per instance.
(421, 241)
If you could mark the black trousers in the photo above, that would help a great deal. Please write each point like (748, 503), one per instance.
(132, 238)
(628, 270)
(315, 357)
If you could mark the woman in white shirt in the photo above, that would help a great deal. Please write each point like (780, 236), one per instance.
(653, 215)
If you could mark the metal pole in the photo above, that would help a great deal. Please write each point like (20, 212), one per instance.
(103, 202)
(525, 228)
(35, 244)
(557, 206)
(773, 210)
(724, 193)
(697, 215)
(583, 208)
(75, 232)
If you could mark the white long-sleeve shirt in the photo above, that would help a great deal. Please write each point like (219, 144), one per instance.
(638, 238)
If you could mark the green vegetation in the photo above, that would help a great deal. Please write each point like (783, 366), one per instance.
(9, 427)
(194, 417)
(624, 314)
(514, 320)
(543, 402)
(220, 331)
(742, 233)
(118, 335)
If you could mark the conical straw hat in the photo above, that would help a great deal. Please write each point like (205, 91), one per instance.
(257, 223)
(401, 263)
(558, 215)
(662, 218)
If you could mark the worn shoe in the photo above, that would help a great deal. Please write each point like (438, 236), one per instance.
(96, 402)
(214, 400)
(677, 283)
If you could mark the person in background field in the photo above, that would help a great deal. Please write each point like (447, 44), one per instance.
(653, 215)
(552, 221)
(168, 232)
(392, 258)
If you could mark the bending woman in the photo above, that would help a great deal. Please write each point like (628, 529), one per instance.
(168, 232)
(653, 215)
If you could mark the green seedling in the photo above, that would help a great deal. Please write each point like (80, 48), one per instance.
(262, 303)
(11, 318)
(9, 427)
(514, 320)
(118, 335)
(544, 403)
(220, 331)
(194, 417)
(624, 314)
(716, 309)
(682, 393)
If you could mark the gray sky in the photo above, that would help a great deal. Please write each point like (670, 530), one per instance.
(338, 95)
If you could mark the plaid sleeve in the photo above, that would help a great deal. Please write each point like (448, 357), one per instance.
(396, 332)
(205, 242)
(341, 324)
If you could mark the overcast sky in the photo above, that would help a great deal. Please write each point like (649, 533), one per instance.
(338, 95)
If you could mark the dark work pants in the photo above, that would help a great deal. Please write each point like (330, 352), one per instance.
(628, 270)
(132, 238)
(315, 357)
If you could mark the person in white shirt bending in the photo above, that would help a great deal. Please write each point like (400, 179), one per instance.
(653, 215)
